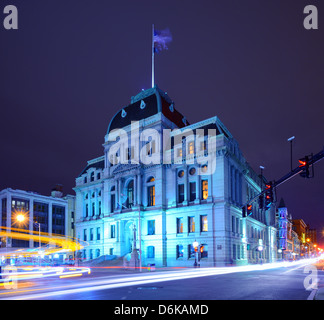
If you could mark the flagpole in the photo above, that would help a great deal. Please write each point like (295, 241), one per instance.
(152, 55)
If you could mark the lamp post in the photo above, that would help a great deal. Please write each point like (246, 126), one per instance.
(39, 242)
(195, 245)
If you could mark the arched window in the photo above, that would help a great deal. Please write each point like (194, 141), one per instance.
(150, 179)
(130, 194)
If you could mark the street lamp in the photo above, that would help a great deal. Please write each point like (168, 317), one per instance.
(39, 242)
(20, 218)
(195, 245)
(291, 140)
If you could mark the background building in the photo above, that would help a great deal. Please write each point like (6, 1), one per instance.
(49, 213)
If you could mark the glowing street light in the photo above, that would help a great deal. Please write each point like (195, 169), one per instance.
(20, 217)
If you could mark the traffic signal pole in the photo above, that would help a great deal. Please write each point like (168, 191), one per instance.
(311, 161)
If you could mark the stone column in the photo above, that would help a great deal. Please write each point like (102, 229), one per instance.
(139, 190)
(50, 217)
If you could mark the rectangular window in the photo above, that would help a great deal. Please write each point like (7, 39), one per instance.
(179, 152)
(112, 231)
(191, 224)
(179, 225)
(179, 251)
(191, 146)
(99, 208)
(91, 234)
(192, 190)
(203, 223)
(41, 216)
(58, 219)
(150, 252)
(191, 251)
(98, 233)
(4, 212)
(151, 227)
(204, 251)
(203, 145)
(204, 189)
(112, 203)
(180, 193)
(85, 234)
(151, 196)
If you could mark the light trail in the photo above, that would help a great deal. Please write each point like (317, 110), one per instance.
(140, 279)
(54, 243)
(40, 273)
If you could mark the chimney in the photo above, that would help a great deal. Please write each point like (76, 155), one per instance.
(57, 191)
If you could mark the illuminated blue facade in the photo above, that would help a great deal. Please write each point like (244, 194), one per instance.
(171, 203)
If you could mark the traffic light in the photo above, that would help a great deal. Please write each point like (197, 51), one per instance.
(304, 164)
(246, 210)
(268, 195)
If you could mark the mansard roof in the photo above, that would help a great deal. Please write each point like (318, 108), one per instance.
(146, 104)
(98, 163)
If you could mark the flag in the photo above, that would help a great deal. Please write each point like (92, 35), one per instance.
(160, 40)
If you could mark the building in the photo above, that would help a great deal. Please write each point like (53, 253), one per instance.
(169, 194)
(311, 234)
(288, 241)
(44, 214)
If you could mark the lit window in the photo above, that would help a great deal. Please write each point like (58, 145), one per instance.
(204, 187)
(203, 223)
(179, 225)
(151, 196)
(204, 251)
(191, 224)
(151, 179)
(191, 147)
(204, 168)
(180, 173)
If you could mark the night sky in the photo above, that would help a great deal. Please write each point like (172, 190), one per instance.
(73, 64)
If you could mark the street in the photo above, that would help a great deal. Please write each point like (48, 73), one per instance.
(257, 282)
